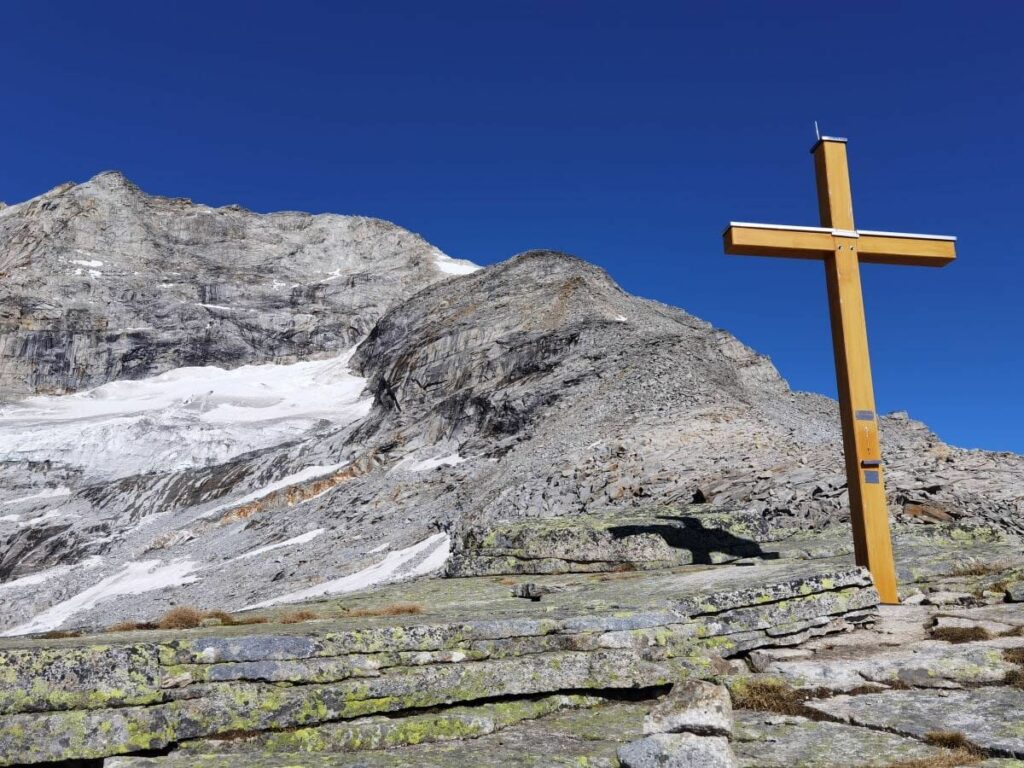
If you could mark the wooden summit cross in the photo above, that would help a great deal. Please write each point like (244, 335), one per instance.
(843, 248)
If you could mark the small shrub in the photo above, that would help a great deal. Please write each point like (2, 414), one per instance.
(297, 617)
(1013, 632)
(1014, 655)
(961, 634)
(57, 634)
(182, 617)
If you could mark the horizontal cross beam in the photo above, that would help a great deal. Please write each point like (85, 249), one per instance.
(744, 239)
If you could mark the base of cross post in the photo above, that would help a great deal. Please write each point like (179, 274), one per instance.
(883, 574)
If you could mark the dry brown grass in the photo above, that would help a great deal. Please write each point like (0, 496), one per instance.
(774, 696)
(297, 617)
(949, 758)
(57, 634)
(129, 626)
(185, 617)
(1015, 678)
(948, 740)
(1013, 632)
(395, 609)
(1014, 655)
(181, 617)
(961, 634)
(956, 751)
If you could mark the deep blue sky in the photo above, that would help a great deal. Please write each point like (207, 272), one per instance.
(625, 133)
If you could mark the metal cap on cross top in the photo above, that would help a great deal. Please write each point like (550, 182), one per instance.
(843, 248)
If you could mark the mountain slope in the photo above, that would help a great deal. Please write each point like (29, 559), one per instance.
(532, 388)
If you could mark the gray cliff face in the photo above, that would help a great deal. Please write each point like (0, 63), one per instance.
(583, 397)
(535, 388)
(102, 281)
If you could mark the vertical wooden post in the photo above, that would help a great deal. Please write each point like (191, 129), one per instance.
(869, 512)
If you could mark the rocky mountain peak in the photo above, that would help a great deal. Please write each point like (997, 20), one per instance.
(109, 180)
(104, 282)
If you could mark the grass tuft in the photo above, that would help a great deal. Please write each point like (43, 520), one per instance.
(297, 617)
(395, 609)
(961, 634)
(947, 740)
(775, 696)
(956, 751)
(129, 626)
(185, 617)
(57, 634)
(946, 759)
(181, 617)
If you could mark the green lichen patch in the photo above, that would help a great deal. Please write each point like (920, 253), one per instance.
(87, 677)
(381, 732)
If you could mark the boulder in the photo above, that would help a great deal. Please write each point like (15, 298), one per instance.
(677, 750)
(697, 707)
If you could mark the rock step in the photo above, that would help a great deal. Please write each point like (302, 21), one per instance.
(594, 634)
(991, 718)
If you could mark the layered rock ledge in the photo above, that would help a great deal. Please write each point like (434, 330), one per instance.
(474, 660)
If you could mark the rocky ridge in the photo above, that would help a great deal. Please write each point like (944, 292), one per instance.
(102, 281)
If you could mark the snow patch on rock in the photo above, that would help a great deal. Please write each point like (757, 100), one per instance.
(133, 579)
(187, 417)
(300, 539)
(394, 566)
(450, 266)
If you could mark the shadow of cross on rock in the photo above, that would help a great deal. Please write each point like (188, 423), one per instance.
(612, 540)
(689, 533)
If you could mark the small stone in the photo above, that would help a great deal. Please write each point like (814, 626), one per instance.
(915, 599)
(695, 707)
(530, 591)
(948, 598)
(176, 681)
(728, 667)
(1015, 592)
(677, 750)
(955, 622)
(761, 658)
